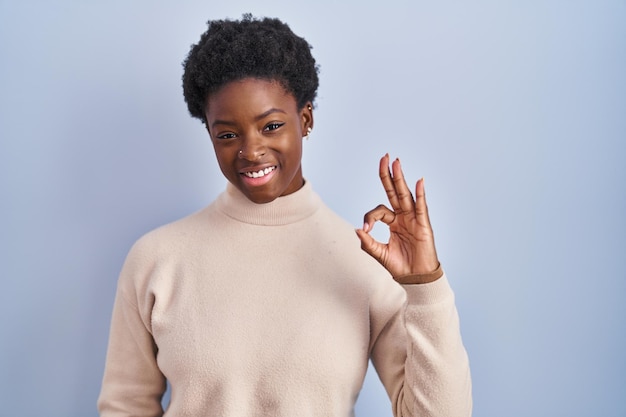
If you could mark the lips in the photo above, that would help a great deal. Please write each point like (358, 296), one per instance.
(256, 177)
(260, 173)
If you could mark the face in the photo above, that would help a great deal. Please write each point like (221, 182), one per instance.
(256, 129)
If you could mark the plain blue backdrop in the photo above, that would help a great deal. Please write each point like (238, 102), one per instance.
(515, 113)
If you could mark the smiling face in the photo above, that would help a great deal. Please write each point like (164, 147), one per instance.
(256, 129)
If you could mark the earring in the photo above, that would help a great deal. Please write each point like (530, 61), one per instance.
(308, 132)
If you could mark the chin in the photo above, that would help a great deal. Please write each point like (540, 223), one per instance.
(261, 198)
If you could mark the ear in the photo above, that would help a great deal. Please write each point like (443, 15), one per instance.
(307, 117)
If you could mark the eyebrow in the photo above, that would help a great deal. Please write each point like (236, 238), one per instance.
(257, 118)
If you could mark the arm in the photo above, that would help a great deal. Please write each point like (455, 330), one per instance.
(132, 385)
(419, 354)
(420, 358)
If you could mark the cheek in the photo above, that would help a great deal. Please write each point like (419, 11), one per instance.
(294, 147)
(293, 156)
(224, 158)
(298, 151)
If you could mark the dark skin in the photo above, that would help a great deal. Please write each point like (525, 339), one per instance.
(411, 246)
(257, 128)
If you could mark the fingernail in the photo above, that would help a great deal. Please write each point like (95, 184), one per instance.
(366, 226)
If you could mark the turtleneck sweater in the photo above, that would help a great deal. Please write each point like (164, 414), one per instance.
(274, 310)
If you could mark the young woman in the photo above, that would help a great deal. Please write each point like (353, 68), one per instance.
(266, 302)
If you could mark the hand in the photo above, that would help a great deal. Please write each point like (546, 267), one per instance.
(411, 247)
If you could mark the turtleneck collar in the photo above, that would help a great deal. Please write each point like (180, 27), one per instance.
(284, 210)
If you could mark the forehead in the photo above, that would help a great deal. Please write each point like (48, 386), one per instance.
(249, 95)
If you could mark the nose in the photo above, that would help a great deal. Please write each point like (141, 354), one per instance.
(252, 147)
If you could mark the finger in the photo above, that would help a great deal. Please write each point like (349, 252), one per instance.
(380, 213)
(371, 246)
(405, 198)
(421, 208)
(385, 178)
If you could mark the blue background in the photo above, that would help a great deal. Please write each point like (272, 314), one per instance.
(514, 111)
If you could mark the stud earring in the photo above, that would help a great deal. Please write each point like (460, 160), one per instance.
(308, 132)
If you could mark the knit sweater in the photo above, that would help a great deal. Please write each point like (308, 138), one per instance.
(274, 310)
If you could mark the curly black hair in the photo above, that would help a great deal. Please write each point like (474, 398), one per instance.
(236, 49)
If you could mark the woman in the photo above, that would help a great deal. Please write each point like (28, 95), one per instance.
(263, 303)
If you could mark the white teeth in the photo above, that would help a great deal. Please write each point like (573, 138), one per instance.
(260, 173)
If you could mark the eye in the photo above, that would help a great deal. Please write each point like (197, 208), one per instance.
(226, 136)
(272, 126)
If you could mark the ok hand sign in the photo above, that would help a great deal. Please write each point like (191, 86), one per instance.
(411, 247)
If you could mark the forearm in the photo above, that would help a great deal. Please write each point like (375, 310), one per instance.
(133, 384)
(437, 374)
(421, 358)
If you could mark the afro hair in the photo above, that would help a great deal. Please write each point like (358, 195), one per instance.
(232, 50)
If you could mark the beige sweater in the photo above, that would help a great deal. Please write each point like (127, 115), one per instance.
(274, 310)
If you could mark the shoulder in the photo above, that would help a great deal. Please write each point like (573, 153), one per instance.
(165, 244)
(184, 231)
(330, 218)
(347, 246)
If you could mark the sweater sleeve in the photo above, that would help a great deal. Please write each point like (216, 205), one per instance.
(420, 358)
(132, 385)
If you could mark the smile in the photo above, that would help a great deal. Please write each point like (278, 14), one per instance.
(260, 173)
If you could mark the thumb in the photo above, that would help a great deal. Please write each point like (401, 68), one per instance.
(370, 245)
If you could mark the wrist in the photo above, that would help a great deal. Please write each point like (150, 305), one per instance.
(420, 278)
